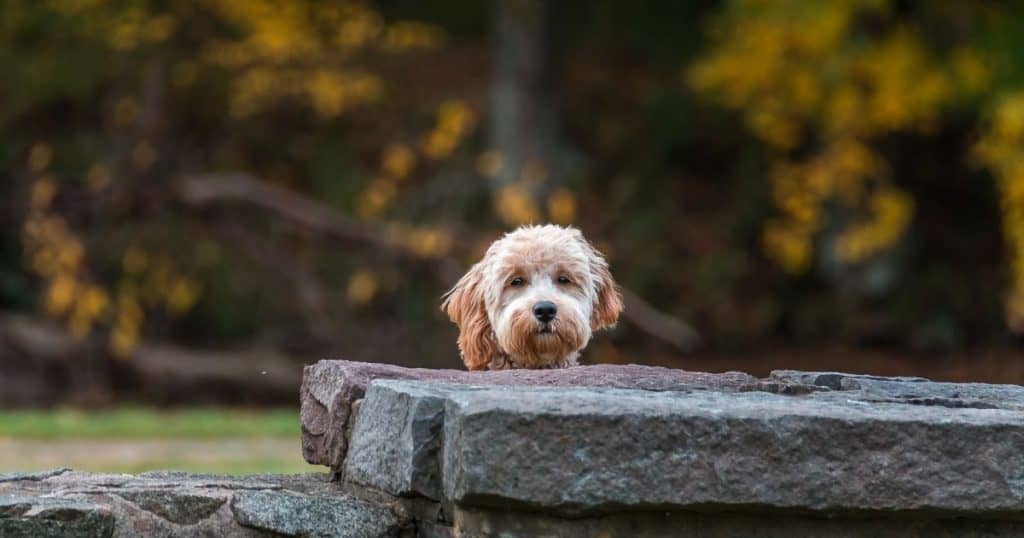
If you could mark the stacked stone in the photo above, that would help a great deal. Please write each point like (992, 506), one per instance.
(65, 503)
(600, 450)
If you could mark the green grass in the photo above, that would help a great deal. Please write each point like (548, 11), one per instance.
(143, 423)
(229, 467)
(136, 439)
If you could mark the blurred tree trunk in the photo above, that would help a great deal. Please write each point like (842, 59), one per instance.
(526, 134)
(524, 115)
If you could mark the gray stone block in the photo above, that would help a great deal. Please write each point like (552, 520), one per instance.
(181, 504)
(330, 387)
(396, 439)
(587, 451)
(296, 514)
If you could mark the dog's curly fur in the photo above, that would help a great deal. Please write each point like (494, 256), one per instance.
(493, 304)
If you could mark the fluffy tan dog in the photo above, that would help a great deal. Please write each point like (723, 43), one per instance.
(533, 301)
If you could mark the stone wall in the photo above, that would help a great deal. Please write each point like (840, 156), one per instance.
(588, 451)
(62, 502)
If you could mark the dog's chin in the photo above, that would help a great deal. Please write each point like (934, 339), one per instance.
(543, 345)
(546, 340)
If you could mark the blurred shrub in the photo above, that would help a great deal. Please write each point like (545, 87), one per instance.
(824, 85)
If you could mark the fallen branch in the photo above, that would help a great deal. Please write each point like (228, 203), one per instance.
(41, 364)
(315, 216)
(658, 324)
(321, 218)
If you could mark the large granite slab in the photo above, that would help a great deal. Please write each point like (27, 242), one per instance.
(330, 387)
(585, 451)
(579, 451)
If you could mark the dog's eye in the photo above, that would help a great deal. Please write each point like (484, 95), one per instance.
(517, 281)
(564, 280)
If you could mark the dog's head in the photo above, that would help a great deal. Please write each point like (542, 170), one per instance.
(533, 300)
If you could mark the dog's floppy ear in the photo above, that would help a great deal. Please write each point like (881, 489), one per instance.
(609, 300)
(464, 304)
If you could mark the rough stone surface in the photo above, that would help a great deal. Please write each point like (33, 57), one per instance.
(176, 507)
(577, 451)
(909, 390)
(14, 477)
(481, 523)
(295, 514)
(396, 440)
(68, 503)
(45, 517)
(330, 387)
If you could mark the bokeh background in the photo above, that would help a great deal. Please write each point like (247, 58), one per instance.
(200, 196)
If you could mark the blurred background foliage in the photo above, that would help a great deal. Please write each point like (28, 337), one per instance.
(212, 192)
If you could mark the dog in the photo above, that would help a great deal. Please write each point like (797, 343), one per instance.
(533, 301)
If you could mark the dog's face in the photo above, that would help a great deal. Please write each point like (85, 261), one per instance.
(533, 301)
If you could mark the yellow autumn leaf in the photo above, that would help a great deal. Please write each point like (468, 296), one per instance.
(61, 295)
(791, 249)
(562, 206)
(428, 243)
(398, 161)
(362, 287)
(182, 296)
(94, 302)
(70, 253)
(377, 196)
(515, 206)
(43, 191)
(39, 157)
(123, 340)
(455, 120)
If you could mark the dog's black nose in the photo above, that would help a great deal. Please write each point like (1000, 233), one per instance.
(545, 311)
